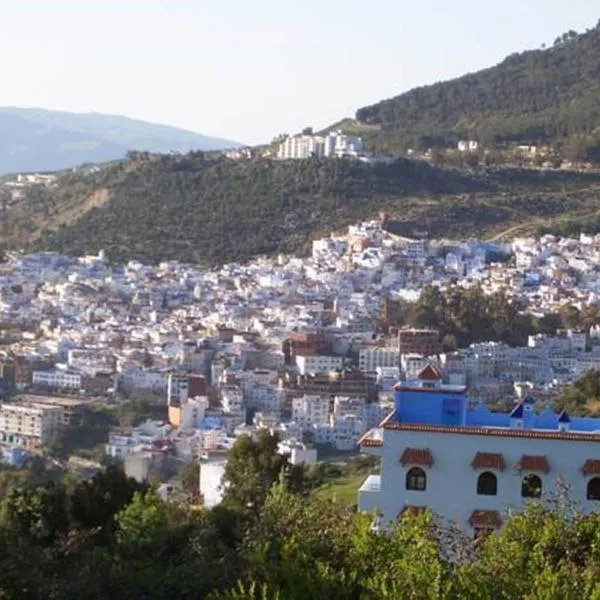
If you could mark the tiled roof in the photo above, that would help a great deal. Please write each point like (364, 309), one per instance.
(487, 460)
(417, 456)
(429, 372)
(495, 431)
(533, 463)
(409, 509)
(485, 518)
(371, 442)
(591, 467)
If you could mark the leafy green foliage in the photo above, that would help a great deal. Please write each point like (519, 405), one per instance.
(583, 396)
(466, 315)
(205, 210)
(211, 210)
(536, 96)
(292, 547)
(253, 466)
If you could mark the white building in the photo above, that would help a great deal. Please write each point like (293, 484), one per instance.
(57, 379)
(298, 452)
(211, 476)
(318, 363)
(310, 410)
(475, 466)
(372, 357)
(334, 144)
(192, 412)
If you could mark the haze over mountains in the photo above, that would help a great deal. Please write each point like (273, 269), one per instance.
(42, 140)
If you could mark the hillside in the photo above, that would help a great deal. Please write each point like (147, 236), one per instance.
(43, 140)
(549, 95)
(214, 210)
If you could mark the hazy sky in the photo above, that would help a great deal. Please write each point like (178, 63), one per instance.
(250, 69)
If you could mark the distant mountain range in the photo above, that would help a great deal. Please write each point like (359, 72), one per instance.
(34, 139)
(539, 96)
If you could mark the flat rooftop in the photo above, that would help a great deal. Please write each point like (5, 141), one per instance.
(55, 400)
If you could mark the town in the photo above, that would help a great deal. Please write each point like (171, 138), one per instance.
(306, 347)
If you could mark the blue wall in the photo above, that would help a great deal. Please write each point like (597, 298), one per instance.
(430, 406)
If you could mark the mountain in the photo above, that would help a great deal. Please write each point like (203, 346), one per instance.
(539, 96)
(34, 139)
(212, 210)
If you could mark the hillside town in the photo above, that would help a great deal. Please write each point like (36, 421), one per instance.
(299, 345)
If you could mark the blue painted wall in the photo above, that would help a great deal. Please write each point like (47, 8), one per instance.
(432, 407)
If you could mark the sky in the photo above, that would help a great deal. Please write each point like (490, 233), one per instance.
(250, 70)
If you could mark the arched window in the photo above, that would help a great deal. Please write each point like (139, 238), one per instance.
(593, 489)
(487, 484)
(531, 487)
(416, 479)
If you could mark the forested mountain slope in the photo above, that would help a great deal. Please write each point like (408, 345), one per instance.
(212, 210)
(548, 95)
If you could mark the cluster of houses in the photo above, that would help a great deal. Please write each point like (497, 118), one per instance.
(288, 343)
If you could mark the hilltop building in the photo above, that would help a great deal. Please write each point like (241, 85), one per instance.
(334, 144)
(475, 466)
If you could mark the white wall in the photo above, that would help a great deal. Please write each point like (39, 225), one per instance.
(211, 474)
(451, 481)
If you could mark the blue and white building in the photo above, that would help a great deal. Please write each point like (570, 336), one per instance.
(474, 466)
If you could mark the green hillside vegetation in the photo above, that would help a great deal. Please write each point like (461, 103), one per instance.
(273, 538)
(213, 210)
(539, 96)
(210, 210)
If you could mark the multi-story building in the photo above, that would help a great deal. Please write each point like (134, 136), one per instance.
(57, 379)
(474, 466)
(266, 398)
(232, 399)
(318, 363)
(345, 405)
(29, 425)
(189, 414)
(371, 356)
(181, 386)
(419, 341)
(73, 409)
(310, 410)
(333, 144)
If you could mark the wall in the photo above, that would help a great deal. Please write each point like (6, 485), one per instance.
(451, 481)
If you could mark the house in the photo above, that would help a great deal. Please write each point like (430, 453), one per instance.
(474, 466)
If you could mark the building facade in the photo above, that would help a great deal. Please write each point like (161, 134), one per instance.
(334, 144)
(29, 425)
(57, 379)
(419, 341)
(318, 363)
(475, 466)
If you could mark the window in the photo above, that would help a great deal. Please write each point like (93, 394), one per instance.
(416, 479)
(487, 484)
(593, 489)
(531, 487)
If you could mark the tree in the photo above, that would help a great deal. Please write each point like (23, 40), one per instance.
(252, 468)
(95, 503)
(142, 523)
(189, 475)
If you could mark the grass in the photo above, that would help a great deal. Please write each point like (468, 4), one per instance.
(342, 490)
